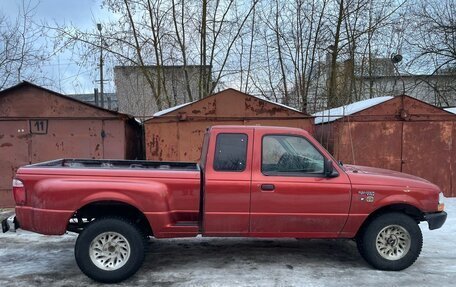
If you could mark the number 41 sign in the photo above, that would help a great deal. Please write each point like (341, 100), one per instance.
(38, 126)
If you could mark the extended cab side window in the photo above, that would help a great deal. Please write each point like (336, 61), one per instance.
(230, 152)
(290, 155)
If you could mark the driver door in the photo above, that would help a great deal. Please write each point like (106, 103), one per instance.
(291, 197)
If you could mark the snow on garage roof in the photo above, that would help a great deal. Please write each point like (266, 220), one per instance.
(168, 110)
(333, 114)
(451, 110)
(172, 109)
(276, 103)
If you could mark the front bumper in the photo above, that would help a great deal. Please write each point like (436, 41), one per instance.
(10, 224)
(435, 220)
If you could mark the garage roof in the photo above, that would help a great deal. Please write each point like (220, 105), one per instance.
(333, 114)
(181, 106)
(66, 106)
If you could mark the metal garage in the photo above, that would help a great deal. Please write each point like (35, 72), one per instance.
(399, 133)
(176, 134)
(37, 124)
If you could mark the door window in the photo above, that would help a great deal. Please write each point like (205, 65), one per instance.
(290, 155)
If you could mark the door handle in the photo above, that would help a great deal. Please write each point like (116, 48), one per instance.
(267, 187)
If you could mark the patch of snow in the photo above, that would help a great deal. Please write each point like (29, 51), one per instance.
(333, 114)
(451, 110)
(30, 259)
(278, 104)
(168, 110)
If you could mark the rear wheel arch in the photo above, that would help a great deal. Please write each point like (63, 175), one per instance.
(104, 208)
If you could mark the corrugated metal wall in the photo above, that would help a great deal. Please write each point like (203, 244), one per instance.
(178, 135)
(421, 142)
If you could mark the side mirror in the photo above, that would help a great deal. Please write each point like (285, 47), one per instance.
(329, 169)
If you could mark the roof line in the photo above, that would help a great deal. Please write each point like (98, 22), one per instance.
(320, 117)
(178, 107)
(326, 114)
(27, 83)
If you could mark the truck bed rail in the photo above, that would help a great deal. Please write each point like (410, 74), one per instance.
(116, 164)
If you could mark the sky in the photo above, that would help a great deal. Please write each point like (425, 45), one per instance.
(67, 77)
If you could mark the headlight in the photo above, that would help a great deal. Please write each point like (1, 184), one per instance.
(441, 205)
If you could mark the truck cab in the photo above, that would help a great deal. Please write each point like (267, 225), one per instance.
(271, 182)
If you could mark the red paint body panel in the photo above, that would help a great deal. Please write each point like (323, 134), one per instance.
(227, 194)
(233, 202)
(303, 206)
(390, 187)
(164, 196)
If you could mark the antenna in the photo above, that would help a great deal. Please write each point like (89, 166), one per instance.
(396, 59)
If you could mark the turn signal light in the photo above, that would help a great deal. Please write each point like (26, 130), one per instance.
(19, 192)
(441, 205)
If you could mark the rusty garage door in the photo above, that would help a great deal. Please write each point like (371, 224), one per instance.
(379, 147)
(422, 148)
(29, 141)
(430, 158)
(66, 138)
(14, 144)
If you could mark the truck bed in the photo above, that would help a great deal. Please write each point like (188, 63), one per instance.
(167, 193)
(116, 164)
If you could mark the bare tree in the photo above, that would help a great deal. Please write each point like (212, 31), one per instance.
(332, 97)
(309, 54)
(434, 35)
(22, 47)
(145, 33)
(179, 26)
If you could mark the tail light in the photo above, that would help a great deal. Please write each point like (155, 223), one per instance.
(19, 192)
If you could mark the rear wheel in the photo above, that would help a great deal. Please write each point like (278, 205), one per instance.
(392, 241)
(110, 250)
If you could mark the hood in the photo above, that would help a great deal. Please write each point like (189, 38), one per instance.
(378, 176)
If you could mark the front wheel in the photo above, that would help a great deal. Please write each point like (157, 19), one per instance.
(110, 250)
(392, 241)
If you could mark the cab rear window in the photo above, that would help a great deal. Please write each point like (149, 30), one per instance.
(230, 152)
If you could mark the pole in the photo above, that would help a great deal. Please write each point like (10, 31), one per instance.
(101, 67)
(95, 95)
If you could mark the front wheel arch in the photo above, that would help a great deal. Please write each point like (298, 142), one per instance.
(406, 209)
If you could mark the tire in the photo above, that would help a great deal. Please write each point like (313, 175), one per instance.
(391, 241)
(110, 250)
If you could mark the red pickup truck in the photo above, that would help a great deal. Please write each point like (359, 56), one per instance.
(251, 181)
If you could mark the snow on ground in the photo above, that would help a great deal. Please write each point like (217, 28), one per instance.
(30, 259)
